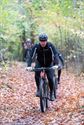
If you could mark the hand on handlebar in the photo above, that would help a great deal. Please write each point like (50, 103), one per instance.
(55, 67)
(29, 68)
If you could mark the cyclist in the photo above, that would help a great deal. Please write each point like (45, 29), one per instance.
(27, 49)
(45, 53)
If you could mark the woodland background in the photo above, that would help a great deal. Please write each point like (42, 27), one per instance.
(62, 20)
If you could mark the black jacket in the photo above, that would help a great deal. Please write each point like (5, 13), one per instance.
(45, 56)
(61, 59)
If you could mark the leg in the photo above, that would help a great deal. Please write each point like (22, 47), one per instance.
(50, 75)
(37, 76)
(59, 75)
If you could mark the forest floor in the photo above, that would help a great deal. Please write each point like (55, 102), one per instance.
(20, 106)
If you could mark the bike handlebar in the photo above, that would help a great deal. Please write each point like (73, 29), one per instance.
(43, 68)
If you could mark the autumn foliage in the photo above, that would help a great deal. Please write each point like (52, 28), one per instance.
(18, 104)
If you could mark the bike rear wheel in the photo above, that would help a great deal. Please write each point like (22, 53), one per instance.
(43, 95)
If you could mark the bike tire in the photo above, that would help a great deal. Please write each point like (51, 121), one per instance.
(43, 98)
(47, 94)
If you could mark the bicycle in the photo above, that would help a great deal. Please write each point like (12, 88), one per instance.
(44, 86)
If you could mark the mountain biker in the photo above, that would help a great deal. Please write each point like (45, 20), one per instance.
(45, 53)
(27, 48)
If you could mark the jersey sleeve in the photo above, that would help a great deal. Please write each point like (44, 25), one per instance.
(32, 55)
(55, 54)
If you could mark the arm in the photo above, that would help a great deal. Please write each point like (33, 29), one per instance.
(60, 57)
(55, 54)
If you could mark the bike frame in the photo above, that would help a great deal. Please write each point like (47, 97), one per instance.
(44, 87)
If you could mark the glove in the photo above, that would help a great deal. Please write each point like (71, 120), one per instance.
(29, 68)
(59, 66)
(55, 67)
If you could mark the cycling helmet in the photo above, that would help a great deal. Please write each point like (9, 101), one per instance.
(43, 37)
(29, 40)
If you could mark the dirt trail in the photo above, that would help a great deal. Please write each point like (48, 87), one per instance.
(19, 106)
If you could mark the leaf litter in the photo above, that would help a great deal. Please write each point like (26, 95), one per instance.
(19, 106)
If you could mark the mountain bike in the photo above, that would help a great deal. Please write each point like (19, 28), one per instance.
(44, 86)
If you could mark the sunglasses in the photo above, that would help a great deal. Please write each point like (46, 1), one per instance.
(43, 41)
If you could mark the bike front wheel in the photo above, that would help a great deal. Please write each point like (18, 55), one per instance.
(43, 95)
